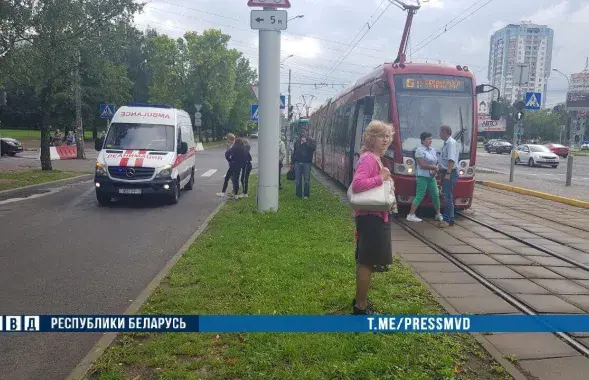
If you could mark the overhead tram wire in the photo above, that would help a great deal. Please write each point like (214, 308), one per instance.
(446, 24)
(357, 34)
(249, 30)
(357, 42)
(448, 29)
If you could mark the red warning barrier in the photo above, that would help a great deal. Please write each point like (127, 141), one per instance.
(67, 152)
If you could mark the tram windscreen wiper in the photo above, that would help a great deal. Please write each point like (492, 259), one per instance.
(462, 130)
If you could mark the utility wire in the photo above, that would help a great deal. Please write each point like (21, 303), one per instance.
(447, 29)
(448, 23)
(357, 42)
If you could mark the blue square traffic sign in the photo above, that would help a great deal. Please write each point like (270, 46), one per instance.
(107, 111)
(282, 102)
(254, 113)
(533, 100)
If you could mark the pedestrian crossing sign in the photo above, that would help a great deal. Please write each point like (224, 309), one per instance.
(533, 100)
(254, 113)
(107, 111)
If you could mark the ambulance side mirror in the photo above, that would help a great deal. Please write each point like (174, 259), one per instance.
(98, 144)
(183, 148)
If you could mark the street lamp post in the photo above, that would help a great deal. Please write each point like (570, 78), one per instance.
(569, 175)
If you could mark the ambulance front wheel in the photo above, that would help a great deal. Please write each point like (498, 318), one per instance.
(103, 198)
(174, 197)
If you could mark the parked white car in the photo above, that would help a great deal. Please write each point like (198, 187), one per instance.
(535, 155)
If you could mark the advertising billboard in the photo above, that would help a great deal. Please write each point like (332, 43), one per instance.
(485, 124)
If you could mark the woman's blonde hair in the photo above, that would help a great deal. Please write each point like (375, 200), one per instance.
(230, 137)
(373, 131)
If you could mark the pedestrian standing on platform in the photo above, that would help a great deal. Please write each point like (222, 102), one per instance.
(247, 168)
(303, 158)
(230, 142)
(427, 171)
(373, 230)
(449, 158)
(281, 158)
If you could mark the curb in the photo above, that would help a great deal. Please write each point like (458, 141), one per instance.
(82, 368)
(534, 193)
(30, 187)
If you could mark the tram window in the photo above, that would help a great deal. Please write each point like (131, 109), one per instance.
(427, 112)
(381, 108)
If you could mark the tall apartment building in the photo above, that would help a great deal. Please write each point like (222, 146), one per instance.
(523, 43)
(580, 81)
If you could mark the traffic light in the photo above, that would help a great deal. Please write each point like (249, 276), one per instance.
(520, 105)
(496, 110)
(290, 113)
(519, 115)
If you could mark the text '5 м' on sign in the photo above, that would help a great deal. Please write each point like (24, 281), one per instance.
(269, 20)
(269, 3)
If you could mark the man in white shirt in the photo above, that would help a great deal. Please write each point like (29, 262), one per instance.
(449, 158)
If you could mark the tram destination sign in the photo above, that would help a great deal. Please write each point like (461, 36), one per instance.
(435, 83)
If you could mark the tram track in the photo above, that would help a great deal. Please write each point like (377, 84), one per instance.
(503, 294)
(531, 245)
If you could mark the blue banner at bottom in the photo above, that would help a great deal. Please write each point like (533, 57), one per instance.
(295, 324)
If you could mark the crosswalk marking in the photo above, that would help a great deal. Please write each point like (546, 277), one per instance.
(209, 173)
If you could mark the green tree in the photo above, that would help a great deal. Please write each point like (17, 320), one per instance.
(59, 30)
(239, 118)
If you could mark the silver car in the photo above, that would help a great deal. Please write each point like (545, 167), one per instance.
(535, 155)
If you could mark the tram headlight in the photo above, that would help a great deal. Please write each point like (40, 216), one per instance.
(470, 171)
(463, 164)
(410, 170)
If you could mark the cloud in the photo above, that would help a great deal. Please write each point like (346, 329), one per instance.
(303, 47)
(321, 40)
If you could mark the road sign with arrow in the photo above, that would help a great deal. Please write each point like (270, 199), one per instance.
(269, 20)
(269, 3)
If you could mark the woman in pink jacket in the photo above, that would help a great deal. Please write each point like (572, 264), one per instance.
(373, 231)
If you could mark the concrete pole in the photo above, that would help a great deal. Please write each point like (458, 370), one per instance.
(269, 117)
(286, 130)
(79, 132)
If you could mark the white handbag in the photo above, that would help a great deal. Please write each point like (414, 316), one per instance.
(380, 198)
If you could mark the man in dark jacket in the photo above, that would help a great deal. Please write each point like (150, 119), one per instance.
(303, 158)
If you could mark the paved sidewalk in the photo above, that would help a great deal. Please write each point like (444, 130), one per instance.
(538, 356)
(576, 191)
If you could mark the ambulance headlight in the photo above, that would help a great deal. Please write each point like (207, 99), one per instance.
(165, 172)
(100, 169)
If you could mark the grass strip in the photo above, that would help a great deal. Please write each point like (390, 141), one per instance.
(299, 261)
(28, 134)
(15, 179)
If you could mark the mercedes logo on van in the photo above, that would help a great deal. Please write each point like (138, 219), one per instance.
(130, 172)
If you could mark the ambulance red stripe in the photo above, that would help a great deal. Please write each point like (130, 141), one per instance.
(125, 160)
(182, 157)
(139, 160)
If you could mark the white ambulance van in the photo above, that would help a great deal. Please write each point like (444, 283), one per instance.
(149, 149)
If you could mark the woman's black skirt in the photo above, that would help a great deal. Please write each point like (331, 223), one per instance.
(373, 246)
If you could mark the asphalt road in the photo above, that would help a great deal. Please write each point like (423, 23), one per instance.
(501, 163)
(63, 254)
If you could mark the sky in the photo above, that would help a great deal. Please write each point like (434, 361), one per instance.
(339, 41)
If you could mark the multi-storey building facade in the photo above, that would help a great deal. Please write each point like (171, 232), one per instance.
(521, 44)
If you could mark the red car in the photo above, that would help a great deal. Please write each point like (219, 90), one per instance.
(559, 150)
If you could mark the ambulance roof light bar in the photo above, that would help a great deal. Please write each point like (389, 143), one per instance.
(139, 104)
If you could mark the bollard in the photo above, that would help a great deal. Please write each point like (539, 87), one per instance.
(569, 169)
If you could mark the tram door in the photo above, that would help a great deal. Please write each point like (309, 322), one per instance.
(356, 143)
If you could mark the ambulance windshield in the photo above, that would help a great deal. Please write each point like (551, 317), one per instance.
(132, 136)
